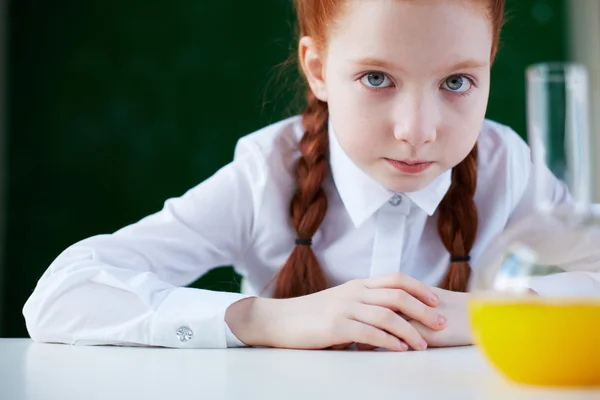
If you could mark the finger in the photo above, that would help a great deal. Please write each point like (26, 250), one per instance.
(404, 303)
(406, 317)
(410, 285)
(363, 333)
(425, 332)
(342, 346)
(446, 338)
(387, 320)
(365, 347)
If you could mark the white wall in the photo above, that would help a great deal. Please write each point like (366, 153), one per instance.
(584, 40)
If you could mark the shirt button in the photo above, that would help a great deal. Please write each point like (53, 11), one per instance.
(184, 334)
(396, 200)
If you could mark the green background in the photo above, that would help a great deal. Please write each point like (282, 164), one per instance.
(116, 105)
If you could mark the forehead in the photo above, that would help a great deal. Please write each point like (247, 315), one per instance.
(413, 33)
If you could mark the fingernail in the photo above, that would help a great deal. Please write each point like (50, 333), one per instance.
(434, 299)
(421, 345)
(403, 346)
(441, 320)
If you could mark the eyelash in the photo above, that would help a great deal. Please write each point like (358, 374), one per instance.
(463, 94)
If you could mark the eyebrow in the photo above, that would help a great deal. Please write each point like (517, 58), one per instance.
(378, 63)
(375, 62)
(469, 64)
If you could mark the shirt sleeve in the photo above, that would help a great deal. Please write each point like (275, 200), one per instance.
(127, 288)
(580, 257)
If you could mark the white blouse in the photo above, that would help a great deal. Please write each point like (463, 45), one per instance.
(127, 288)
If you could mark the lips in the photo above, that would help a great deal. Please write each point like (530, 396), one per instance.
(409, 162)
(410, 166)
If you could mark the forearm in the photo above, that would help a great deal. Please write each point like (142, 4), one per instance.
(250, 320)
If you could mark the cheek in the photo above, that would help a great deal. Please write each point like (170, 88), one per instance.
(463, 142)
(354, 135)
(462, 131)
(362, 117)
(468, 113)
(358, 125)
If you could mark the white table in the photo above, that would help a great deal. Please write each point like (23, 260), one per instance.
(31, 370)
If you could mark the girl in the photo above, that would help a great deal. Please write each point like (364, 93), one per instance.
(354, 223)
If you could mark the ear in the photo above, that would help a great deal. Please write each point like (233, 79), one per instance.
(313, 66)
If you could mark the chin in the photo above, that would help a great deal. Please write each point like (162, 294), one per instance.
(406, 183)
(399, 180)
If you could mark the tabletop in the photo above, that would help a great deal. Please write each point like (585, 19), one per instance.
(30, 370)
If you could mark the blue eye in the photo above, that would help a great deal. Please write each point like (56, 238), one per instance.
(376, 80)
(457, 84)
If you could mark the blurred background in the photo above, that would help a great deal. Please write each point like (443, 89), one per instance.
(110, 107)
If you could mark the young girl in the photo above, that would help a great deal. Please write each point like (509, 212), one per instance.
(354, 223)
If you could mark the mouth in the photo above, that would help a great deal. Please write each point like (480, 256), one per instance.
(410, 166)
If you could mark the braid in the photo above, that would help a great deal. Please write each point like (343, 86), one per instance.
(302, 274)
(458, 221)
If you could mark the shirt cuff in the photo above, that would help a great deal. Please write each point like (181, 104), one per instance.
(192, 318)
(573, 284)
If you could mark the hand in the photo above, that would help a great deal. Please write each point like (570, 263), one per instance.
(361, 311)
(458, 330)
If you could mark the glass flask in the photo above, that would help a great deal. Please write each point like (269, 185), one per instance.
(535, 292)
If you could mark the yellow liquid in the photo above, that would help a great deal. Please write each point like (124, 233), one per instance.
(550, 342)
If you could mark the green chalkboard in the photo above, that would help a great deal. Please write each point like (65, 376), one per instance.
(117, 105)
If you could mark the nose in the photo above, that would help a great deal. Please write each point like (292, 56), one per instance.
(417, 120)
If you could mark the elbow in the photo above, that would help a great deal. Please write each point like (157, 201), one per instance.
(40, 327)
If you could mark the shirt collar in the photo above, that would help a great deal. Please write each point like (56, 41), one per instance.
(363, 196)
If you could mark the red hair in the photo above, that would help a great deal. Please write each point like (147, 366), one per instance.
(457, 213)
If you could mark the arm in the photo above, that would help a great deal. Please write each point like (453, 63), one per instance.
(124, 288)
